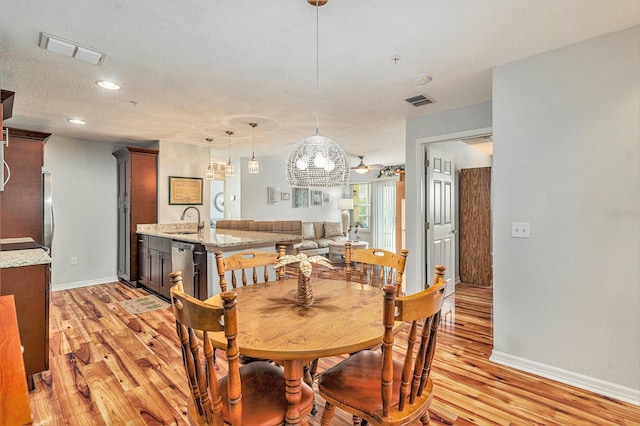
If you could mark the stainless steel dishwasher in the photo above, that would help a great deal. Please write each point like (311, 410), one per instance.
(182, 260)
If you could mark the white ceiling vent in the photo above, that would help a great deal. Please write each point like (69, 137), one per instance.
(70, 48)
(419, 100)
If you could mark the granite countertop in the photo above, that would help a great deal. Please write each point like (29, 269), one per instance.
(17, 258)
(214, 238)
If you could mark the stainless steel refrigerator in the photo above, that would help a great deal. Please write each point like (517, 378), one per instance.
(47, 212)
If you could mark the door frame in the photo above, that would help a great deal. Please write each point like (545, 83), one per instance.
(423, 185)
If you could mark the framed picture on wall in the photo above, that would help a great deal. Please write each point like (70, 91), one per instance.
(273, 195)
(316, 198)
(325, 197)
(300, 197)
(185, 190)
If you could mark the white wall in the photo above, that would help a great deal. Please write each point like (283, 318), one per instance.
(448, 122)
(273, 173)
(467, 157)
(84, 190)
(566, 160)
(179, 159)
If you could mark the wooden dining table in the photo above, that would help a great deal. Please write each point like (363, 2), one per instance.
(345, 318)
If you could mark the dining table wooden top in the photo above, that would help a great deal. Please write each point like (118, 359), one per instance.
(346, 317)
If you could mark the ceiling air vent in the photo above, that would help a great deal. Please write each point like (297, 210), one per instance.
(71, 48)
(419, 100)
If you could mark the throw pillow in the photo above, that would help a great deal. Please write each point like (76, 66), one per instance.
(308, 231)
(332, 229)
(319, 229)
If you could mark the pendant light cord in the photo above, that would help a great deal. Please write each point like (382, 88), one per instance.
(317, 68)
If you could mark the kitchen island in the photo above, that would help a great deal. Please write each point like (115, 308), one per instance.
(158, 253)
(25, 269)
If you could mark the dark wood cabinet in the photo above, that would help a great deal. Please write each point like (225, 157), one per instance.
(200, 280)
(158, 265)
(143, 260)
(137, 203)
(29, 286)
(22, 202)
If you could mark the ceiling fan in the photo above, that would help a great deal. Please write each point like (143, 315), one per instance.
(363, 168)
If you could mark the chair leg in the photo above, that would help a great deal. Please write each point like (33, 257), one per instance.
(425, 419)
(308, 377)
(327, 415)
(357, 421)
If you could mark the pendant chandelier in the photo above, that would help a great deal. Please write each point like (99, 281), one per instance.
(209, 174)
(317, 161)
(253, 165)
(229, 169)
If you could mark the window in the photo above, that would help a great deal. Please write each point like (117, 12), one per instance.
(361, 205)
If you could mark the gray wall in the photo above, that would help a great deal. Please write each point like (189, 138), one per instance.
(566, 159)
(84, 194)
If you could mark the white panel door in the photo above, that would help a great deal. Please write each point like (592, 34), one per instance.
(440, 207)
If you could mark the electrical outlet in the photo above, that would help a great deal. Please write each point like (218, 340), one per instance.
(175, 216)
(520, 230)
(74, 261)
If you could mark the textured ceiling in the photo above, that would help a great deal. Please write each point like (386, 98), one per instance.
(192, 69)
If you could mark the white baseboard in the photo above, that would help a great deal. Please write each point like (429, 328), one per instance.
(78, 284)
(612, 390)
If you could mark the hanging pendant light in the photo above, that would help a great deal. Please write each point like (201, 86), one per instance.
(318, 161)
(209, 174)
(229, 169)
(253, 166)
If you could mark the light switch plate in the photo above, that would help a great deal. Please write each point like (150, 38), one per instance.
(520, 230)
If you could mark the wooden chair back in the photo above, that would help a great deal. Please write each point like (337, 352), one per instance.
(248, 267)
(374, 386)
(194, 320)
(422, 311)
(376, 267)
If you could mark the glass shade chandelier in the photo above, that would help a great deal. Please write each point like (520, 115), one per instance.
(253, 165)
(229, 168)
(317, 161)
(209, 174)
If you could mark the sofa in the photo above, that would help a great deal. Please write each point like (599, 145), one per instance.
(315, 235)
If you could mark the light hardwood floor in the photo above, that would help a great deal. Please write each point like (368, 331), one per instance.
(110, 367)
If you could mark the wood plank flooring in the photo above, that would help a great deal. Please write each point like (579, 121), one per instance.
(110, 367)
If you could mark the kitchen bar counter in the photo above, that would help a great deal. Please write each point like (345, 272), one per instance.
(216, 239)
(25, 274)
(25, 257)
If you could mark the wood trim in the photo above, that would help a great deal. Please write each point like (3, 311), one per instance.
(28, 134)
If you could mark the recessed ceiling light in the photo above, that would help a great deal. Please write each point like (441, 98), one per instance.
(76, 121)
(108, 85)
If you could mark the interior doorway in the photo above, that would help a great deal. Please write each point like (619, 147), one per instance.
(442, 205)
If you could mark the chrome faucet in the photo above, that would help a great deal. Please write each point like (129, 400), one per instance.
(200, 225)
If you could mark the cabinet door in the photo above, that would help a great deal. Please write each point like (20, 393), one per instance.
(155, 270)
(166, 268)
(144, 260)
(200, 278)
(30, 288)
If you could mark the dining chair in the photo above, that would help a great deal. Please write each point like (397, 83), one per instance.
(259, 386)
(376, 267)
(372, 385)
(256, 262)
